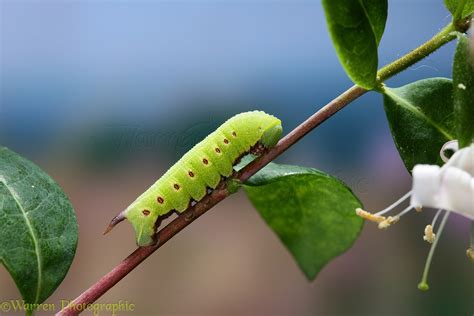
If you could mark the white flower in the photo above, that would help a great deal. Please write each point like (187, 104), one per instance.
(449, 188)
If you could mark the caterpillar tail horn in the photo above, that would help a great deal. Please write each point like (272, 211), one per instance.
(117, 219)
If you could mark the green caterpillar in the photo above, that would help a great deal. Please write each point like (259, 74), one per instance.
(199, 169)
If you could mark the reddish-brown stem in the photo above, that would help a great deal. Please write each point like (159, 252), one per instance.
(301, 130)
(141, 253)
(220, 193)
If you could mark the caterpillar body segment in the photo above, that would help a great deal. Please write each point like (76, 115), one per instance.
(200, 168)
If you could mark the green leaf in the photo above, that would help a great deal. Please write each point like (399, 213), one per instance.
(312, 213)
(421, 119)
(376, 11)
(463, 94)
(38, 229)
(460, 8)
(468, 9)
(356, 28)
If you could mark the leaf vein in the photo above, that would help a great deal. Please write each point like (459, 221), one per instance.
(412, 108)
(33, 236)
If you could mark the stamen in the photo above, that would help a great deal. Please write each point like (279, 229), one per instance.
(394, 219)
(470, 253)
(369, 216)
(385, 222)
(423, 285)
(408, 209)
(435, 218)
(388, 222)
(429, 235)
(472, 234)
(470, 250)
(391, 207)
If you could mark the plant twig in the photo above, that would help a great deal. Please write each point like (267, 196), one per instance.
(221, 192)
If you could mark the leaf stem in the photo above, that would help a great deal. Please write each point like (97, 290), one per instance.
(221, 192)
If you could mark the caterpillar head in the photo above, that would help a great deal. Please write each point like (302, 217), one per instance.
(271, 132)
(143, 220)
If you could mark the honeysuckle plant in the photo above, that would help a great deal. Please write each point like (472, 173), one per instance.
(431, 121)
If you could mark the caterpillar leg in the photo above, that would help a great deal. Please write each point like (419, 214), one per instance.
(258, 149)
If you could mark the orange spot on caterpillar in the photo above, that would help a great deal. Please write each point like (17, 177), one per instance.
(205, 161)
(226, 141)
(217, 150)
(176, 186)
(191, 174)
(160, 200)
(146, 212)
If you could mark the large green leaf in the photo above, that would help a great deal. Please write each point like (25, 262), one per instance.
(311, 212)
(462, 8)
(38, 229)
(463, 95)
(356, 27)
(421, 119)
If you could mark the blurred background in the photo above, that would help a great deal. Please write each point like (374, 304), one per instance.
(106, 95)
